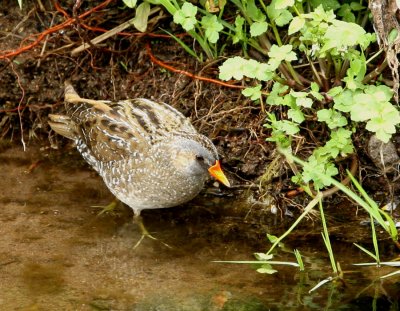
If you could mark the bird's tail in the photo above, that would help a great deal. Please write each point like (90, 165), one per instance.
(70, 95)
(62, 125)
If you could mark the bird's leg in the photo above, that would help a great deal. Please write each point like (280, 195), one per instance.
(109, 208)
(145, 234)
(139, 221)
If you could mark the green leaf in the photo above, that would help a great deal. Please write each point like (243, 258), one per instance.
(279, 138)
(142, 16)
(355, 6)
(280, 17)
(384, 125)
(324, 114)
(339, 143)
(365, 109)
(314, 165)
(372, 106)
(304, 102)
(382, 132)
(283, 4)
(253, 92)
(275, 97)
(239, 34)
(212, 26)
(327, 4)
(296, 24)
(278, 54)
(189, 9)
(284, 18)
(342, 35)
(238, 67)
(272, 238)
(262, 256)
(233, 68)
(321, 17)
(129, 3)
(343, 101)
(250, 68)
(347, 13)
(266, 268)
(258, 28)
(288, 127)
(351, 83)
(381, 93)
(314, 87)
(332, 118)
(315, 91)
(254, 12)
(356, 73)
(186, 16)
(283, 52)
(335, 91)
(358, 67)
(393, 34)
(263, 72)
(296, 115)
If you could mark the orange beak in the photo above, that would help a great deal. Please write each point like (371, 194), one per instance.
(216, 172)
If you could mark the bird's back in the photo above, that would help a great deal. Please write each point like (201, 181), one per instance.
(109, 131)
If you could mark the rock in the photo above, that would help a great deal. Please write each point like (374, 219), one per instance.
(384, 155)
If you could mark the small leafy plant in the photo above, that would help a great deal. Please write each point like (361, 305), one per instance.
(336, 98)
(334, 93)
(205, 31)
(377, 215)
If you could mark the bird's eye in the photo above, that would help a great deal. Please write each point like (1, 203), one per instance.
(200, 158)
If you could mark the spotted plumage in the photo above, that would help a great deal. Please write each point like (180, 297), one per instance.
(148, 154)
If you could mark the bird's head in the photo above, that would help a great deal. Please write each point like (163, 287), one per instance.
(197, 157)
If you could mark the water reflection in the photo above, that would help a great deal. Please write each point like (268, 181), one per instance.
(57, 254)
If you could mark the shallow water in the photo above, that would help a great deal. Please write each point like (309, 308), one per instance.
(57, 253)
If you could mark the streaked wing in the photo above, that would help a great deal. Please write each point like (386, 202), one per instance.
(107, 132)
(113, 131)
(157, 120)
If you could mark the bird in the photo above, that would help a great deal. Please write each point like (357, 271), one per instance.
(148, 154)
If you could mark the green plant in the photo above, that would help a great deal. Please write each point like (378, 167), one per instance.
(264, 261)
(327, 241)
(206, 23)
(337, 99)
(377, 215)
(205, 31)
(142, 13)
(364, 200)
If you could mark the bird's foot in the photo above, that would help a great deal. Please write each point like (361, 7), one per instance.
(109, 209)
(145, 234)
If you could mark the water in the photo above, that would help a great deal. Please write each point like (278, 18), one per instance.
(56, 253)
